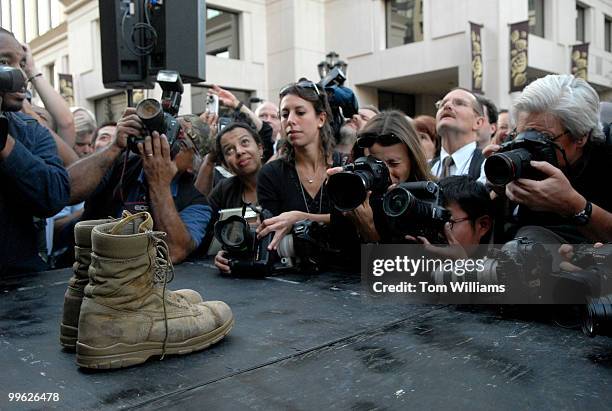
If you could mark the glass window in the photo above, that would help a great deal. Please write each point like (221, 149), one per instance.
(404, 22)
(536, 17)
(222, 35)
(580, 22)
(608, 34)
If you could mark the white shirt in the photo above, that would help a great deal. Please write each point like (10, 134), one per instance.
(461, 162)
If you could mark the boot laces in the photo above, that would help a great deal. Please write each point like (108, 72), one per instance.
(163, 272)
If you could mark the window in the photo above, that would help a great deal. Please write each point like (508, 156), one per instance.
(404, 22)
(536, 17)
(50, 73)
(397, 101)
(222, 35)
(580, 22)
(608, 34)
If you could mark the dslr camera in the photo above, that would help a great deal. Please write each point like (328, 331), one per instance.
(416, 208)
(511, 162)
(349, 188)
(307, 244)
(161, 116)
(247, 255)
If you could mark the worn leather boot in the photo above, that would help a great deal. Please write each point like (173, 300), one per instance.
(125, 316)
(73, 296)
(74, 293)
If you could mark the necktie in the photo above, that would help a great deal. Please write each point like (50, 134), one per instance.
(446, 165)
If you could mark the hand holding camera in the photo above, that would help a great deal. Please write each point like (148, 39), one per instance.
(157, 160)
(554, 193)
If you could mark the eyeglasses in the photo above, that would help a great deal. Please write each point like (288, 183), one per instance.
(456, 102)
(304, 84)
(368, 140)
(459, 220)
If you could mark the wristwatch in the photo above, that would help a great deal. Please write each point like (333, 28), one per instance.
(583, 217)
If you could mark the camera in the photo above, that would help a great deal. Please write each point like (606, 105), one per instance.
(308, 243)
(349, 188)
(161, 116)
(511, 162)
(342, 100)
(11, 80)
(247, 255)
(416, 208)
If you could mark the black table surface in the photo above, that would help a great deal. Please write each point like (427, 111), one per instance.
(308, 342)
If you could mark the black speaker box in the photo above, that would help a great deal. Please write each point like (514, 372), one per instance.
(181, 41)
(120, 65)
(132, 55)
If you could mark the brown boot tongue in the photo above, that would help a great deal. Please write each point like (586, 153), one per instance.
(133, 224)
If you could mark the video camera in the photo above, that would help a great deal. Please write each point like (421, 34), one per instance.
(247, 255)
(161, 116)
(416, 208)
(11, 80)
(349, 188)
(511, 162)
(342, 100)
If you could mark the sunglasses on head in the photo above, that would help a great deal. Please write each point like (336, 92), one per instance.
(304, 84)
(368, 140)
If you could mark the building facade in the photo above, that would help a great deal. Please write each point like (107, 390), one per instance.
(400, 53)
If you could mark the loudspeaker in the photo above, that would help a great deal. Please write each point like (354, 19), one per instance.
(121, 63)
(181, 38)
(141, 37)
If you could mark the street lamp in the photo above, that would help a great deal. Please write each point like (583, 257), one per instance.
(331, 61)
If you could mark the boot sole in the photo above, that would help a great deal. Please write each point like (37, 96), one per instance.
(68, 336)
(125, 355)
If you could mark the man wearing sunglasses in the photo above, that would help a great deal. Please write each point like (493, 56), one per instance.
(573, 202)
(459, 117)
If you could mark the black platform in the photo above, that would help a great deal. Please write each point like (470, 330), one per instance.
(311, 342)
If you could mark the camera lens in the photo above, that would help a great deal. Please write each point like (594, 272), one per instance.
(499, 169)
(597, 318)
(233, 233)
(397, 201)
(348, 190)
(151, 114)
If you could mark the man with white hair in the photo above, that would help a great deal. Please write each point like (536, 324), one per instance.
(572, 203)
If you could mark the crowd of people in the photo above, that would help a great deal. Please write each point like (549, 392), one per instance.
(60, 167)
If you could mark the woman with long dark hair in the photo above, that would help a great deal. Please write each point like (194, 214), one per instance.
(292, 188)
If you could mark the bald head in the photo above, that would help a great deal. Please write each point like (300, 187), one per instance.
(268, 112)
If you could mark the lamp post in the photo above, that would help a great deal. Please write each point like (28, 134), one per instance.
(332, 60)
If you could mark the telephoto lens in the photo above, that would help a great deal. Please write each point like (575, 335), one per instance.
(597, 317)
(11, 79)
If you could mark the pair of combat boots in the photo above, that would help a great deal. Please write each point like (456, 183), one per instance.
(117, 311)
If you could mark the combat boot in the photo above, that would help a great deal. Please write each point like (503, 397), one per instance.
(73, 296)
(125, 316)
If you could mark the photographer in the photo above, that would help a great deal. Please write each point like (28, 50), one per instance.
(34, 181)
(241, 152)
(153, 180)
(471, 210)
(568, 203)
(292, 188)
(391, 138)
